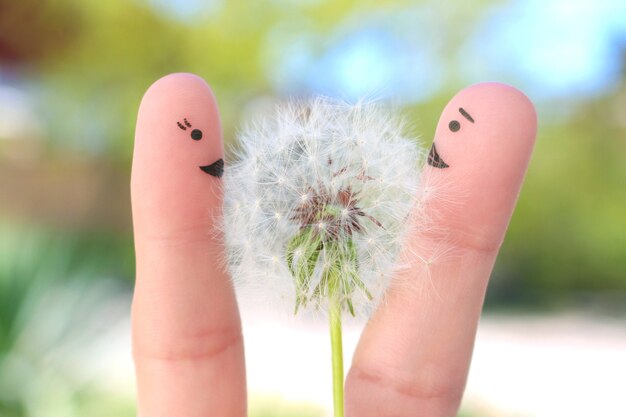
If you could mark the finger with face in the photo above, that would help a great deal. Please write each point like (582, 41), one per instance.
(187, 341)
(413, 357)
(478, 160)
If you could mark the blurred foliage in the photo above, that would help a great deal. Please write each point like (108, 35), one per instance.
(566, 244)
(90, 88)
(48, 32)
(566, 240)
(56, 303)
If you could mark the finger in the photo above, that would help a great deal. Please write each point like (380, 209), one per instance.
(186, 330)
(414, 354)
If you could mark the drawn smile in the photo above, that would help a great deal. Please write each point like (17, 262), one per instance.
(216, 169)
(435, 160)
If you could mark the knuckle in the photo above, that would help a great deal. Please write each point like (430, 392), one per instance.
(409, 395)
(204, 346)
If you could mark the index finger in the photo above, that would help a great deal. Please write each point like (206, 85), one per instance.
(186, 331)
(413, 357)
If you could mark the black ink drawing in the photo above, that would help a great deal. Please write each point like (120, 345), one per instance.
(196, 134)
(435, 160)
(216, 169)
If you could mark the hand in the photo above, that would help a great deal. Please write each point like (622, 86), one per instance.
(414, 354)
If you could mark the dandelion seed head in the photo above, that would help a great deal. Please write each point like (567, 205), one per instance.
(342, 179)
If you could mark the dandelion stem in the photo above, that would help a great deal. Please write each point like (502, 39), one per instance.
(337, 353)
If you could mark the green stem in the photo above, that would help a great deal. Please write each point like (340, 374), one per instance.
(337, 353)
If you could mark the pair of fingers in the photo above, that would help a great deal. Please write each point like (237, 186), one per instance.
(414, 354)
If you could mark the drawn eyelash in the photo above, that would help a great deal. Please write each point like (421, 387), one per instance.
(181, 126)
(187, 123)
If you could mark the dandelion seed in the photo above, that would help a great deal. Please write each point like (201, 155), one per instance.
(316, 209)
(318, 184)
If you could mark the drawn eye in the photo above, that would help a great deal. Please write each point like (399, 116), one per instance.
(454, 126)
(196, 134)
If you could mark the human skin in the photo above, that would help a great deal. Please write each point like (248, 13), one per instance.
(186, 331)
(414, 354)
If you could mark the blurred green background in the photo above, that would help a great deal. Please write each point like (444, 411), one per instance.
(72, 74)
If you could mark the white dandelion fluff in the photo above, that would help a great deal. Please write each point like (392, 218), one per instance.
(316, 204)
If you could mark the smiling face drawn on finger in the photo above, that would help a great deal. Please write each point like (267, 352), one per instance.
(434, 159)
(477, 127)
(178, 141)
(216, 169)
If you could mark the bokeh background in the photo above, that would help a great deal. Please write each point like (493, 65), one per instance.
(72, 73)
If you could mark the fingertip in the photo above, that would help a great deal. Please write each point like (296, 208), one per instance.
(503, 105)
(178, 155)
(484, 140)
(488, 127)
(173, 98)
(178, 82)
(518, 103)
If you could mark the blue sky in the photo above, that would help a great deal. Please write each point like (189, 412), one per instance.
(554, 49)
(557, 48)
